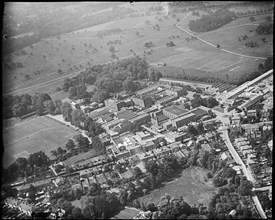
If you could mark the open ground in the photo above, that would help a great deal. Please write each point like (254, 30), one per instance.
(191, 185)
(32, 135)
(194, 54)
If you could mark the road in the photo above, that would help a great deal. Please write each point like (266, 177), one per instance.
(248, 175)
(212, 45)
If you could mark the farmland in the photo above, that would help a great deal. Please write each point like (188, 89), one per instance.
(73, 52)
(32, 135)
(190, 185)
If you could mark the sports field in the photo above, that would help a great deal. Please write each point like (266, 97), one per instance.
(32, 135)
(190, 185)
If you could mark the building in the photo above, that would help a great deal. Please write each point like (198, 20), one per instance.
(175, 136)
(114, 104)
(183, 120)
(141, 119)
(252, 112)
(252, 130)
(157, 118)
(173, 111)
(143, 101)
(175, 90)
(235, 120)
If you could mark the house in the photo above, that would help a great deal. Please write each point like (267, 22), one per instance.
(143, 101)
(250, 127)
(235, 120)
(252, 112)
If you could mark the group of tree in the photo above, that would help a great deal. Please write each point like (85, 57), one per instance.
(109, 78)
(170, 44)
(35, 164)
(109, 32)
(181, 74)
(212, 21)
(264, 29)
(20, 105)
(79, 119)
(209, 102)
(148, 44)
(251, 44)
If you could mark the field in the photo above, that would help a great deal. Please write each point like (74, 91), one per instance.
(194, 54)
(190, 185)
(32, 135)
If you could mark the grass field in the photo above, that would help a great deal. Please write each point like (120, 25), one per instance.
(190, 185)
(190, 55)
(32, 135)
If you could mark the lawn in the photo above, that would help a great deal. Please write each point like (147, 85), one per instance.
(190, 185)
(32, 135)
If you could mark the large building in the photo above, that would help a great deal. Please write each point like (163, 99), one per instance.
(143, 101)
(113, 104)
(173, 111)
(183, 120)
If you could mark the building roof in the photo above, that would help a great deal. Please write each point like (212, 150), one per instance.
(250, 126)
(175, 110)
(126, 114)
(184, 117)
(161, 117)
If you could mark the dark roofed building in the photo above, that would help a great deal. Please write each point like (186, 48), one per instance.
(173, 111)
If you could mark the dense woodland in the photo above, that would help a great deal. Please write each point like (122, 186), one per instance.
(111, 78)
(212, 21)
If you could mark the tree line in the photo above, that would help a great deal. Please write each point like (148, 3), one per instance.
(19, 105)
(212, 21)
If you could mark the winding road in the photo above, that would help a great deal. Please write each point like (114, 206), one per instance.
(212, 45)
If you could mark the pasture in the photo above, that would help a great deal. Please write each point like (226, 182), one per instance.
(32, 135)
(59, 54)
(190, 185)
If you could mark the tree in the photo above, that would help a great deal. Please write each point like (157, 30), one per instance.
(27, 76)
(129, 86)
(66, 110)
(245, 187)
(61, 151)
(97, 144)
(152, 167)
(76, 213)
(54, 153)
(211, 102)
(68, 207)
(112, 49)
(252, 19)
(49, 105)
(70, 145)
(38, 159)
(192, 130)
(82, 142)
(137, 172)
(268, 18)
(32, 191)
(101, 95)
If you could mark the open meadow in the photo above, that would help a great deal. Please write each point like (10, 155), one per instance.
(191, 185)
(32, 135)
(75, 51)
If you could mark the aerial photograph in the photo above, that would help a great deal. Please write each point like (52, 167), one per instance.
(137, 110)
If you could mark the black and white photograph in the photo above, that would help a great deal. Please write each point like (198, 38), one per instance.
(137, 110)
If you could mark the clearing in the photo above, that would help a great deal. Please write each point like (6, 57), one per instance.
(191, 185)
(32, 135)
